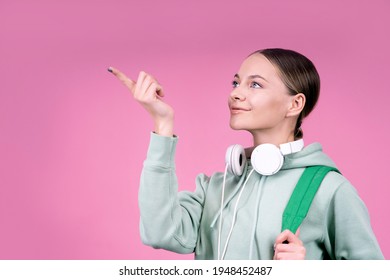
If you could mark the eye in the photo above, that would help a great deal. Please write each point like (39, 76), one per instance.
(235, 84)
(255, 85)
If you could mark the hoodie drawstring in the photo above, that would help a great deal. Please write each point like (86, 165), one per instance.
(258, 197)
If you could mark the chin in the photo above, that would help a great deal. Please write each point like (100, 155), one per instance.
(236, 126)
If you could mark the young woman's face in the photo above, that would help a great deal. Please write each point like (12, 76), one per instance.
(259, 100)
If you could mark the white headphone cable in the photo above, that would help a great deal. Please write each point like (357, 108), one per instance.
(220, 216)
(234, 217)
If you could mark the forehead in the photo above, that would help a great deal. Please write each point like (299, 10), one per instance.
(258, 64)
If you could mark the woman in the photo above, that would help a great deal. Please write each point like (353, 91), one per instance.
(238, 214)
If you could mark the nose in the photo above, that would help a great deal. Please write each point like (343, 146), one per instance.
(236, 95)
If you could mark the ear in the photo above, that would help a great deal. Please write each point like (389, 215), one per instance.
(297, 104)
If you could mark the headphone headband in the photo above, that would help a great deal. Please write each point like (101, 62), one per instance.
(291, 147)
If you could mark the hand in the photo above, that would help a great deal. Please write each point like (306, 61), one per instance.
(289, 247)
(148, 92)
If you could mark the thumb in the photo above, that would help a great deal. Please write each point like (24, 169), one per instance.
(298, 232)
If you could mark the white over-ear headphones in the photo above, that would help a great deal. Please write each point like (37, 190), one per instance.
(266, 159)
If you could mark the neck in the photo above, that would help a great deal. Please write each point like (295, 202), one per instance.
(263, 136)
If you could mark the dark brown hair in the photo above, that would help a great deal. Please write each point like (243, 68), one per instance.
(299, 75)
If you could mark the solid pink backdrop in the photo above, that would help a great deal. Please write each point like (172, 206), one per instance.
(73, 141)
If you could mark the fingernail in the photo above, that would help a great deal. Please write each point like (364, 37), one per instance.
(109, 69)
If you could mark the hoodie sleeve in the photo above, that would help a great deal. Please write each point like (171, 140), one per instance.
(349, 233)
(169, 219)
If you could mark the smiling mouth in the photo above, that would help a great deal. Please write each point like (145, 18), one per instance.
(238, 110)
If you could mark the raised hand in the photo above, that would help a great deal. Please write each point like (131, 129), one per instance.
(148, 92)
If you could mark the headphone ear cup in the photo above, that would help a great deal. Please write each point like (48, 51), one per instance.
(267, 159)
(235, 159)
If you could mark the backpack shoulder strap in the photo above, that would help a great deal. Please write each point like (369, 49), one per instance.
(303, 195)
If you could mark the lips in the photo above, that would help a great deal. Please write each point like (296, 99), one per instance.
(236, 110)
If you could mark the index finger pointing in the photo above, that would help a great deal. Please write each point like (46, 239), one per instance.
(122, 77)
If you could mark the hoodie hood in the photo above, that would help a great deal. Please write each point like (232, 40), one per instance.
(309, 156)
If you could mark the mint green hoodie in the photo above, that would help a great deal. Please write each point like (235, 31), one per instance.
(336, 227)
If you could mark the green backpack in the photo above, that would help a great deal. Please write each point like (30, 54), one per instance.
(303, 195)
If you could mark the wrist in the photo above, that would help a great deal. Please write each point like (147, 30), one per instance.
(164, 128)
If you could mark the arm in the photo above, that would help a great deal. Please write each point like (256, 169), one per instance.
(348, 233)
(169, 220)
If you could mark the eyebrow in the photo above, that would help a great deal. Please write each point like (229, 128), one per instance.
(252, 77)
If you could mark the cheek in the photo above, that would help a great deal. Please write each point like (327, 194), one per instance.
(269, 104)
(270, 109)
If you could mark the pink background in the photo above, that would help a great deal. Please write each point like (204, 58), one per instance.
(73, 141)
